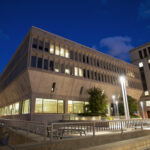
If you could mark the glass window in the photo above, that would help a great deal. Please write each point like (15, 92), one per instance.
(80, 72)
(70, 107)
(51, 50)
(62, 68)
(67, 71)
(62, 52)
(147, 103)
(60, 106)
(26, 106)
(39, 63)
(33, 61)
(140, 64)
(140, 55)
(71, 54)
(46, 46)
(46, 64)
(34, 45)
(67, 53)
(38, 105)
(49, 106)
(56, 67)
(57, 50)
(15, 108)
(76, 71)
(51, 65)
(78, 107)
(40, 45)
(76, 56)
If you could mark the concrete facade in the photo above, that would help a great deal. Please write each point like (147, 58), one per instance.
(51, 67)
(140, 56)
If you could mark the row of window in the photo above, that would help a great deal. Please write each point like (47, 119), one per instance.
(13, 109)
(144, 53)
(76, 71)
(56, 49)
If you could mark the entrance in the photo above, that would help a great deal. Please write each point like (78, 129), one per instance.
(148, 114)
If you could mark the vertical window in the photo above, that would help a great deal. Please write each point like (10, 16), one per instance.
(95, 75)
(92, 77)
(33, 61)
(57, 52)
(56, 67)
(38, 105)
(71, 54)
(53, 87)
(26, 106)
(46, 46)
(62, 52)
(75, 71)
(87, 59)
(51, 50)
(40, 45)
(76, 56)
(83, 58)
(60, 106)
(15, 108)
(88, 74)
(39, 65)
(97, 63)
(67, 70)
(46, 64)
(34, 45)
(80, 57)
(80, 72)
(84, 73)
(91, 61)
(145, 52)
(51, 65)
(140, 55)
(66, 53)
(62, 68)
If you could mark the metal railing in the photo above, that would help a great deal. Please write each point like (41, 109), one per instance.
(75, 129)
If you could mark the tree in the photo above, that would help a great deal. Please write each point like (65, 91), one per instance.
(133, 106)
(97, 102)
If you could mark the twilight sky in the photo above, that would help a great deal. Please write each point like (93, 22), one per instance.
(110, 26)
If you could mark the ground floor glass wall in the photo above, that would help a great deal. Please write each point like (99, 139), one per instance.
(49, 106)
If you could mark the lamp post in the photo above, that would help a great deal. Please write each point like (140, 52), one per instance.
(125, 100)
(117, 109)
(142, 107)
(114, 103)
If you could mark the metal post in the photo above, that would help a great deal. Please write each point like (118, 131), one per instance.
(51, 132)
(93, 128)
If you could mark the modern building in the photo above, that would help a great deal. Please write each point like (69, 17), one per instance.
(140, 56)
(48, 78)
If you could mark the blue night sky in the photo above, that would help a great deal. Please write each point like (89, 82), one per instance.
(111, 26)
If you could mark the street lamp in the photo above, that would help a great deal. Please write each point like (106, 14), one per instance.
(114, 103)
(142, 107)
(124, 94)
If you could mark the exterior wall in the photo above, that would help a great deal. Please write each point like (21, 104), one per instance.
(136, 59)
(32, 82)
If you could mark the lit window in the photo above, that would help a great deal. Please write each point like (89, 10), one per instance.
(149, 61)
(26, 106)
(140, 64)
(51, 50)
(57, 50)
(80, 72)
(62, 53)
(147, 103)
(15, 108)
(56, 67)
(67, 53)
(60, 106)
(38, 105)
(75, 71)
(67, 71)
(56, 70)
(146, 93)
(49, 106)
